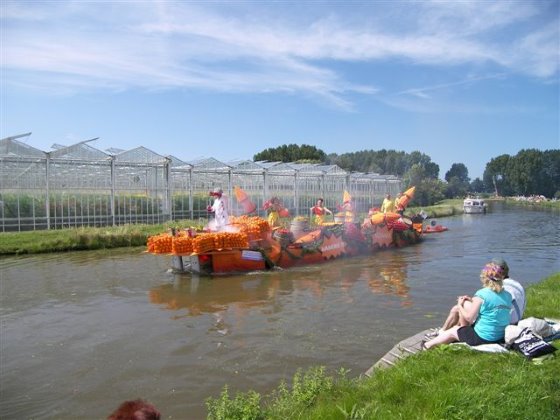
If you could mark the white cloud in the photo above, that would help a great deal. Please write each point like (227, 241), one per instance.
(160, 45)
(422, 92)
(473, 17)
(540, 51)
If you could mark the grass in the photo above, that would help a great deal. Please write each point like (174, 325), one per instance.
(448, 382)
(543, 205)
(443, 208)
(88, 238)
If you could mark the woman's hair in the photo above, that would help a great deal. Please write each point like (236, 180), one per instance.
(492, 276)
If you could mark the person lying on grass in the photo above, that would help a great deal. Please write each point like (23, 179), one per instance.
(484, 317)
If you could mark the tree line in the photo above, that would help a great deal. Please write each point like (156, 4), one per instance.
(530, 172)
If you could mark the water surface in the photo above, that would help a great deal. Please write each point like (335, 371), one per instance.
(81, 332)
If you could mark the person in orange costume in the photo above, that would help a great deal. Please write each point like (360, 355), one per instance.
(319, 210)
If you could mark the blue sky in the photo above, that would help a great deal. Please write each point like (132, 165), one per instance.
(460, 81)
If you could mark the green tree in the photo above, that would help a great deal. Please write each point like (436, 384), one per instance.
(456, 188)
(457, 181)
(292, 153)
(431, 169)
(523, 172)
(459, 171)
(429, 190)
(495, 175)
(529, 172)
(384, 162)
(550, 173)
(477, 186)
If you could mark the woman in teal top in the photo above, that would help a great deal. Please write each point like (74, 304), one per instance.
(484, 317)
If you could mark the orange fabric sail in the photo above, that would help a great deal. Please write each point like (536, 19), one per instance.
(244, 200)
(406, 197)
(240, 195)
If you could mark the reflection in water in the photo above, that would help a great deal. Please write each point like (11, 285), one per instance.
(203, 296)
(239, 293)
(390, 278)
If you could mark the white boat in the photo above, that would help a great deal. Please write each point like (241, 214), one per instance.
(474, 206)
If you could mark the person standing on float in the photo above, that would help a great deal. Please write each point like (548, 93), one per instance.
(347, 208)
(219, 208)
(398, 207)
(273, 207)
(388, 205)
(319, 210)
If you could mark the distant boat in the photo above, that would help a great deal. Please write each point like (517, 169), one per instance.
(435, 229)
(474, 206)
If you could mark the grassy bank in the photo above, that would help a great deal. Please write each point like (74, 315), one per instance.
(542, 205)
(445, 382)
(61, 240)
(443, 208)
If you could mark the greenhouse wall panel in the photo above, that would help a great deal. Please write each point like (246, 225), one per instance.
(79, 186)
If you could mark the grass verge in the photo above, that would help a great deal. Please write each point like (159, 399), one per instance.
(443, 208)
(445, 382)
(87, 238)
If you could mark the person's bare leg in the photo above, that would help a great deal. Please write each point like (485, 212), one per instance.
(462, 321)
(445, 337)
(452, 319)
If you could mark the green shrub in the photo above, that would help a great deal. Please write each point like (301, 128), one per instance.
(244, 406)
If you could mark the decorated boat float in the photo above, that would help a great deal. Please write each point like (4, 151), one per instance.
(248, 243)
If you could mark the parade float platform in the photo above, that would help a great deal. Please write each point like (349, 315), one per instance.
(249, 244)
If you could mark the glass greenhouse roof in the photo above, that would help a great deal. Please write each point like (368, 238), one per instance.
(247, 166)
(79, 151)
(178, 163)
(209, 164)
(140, 155)
(9, 146)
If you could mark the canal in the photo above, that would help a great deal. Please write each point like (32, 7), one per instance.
(81, 332)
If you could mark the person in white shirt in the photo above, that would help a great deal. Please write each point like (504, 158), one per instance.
(515, 289)
(219, 208)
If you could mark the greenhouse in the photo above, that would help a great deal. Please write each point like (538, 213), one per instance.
(79, 185)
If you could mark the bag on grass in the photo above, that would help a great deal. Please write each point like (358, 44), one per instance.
(537, 325)
(531, 345)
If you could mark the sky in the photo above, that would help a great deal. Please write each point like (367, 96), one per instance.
(461, 81)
